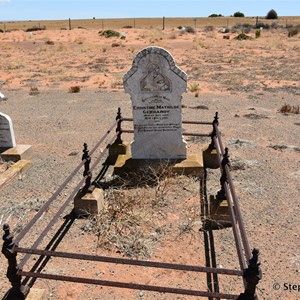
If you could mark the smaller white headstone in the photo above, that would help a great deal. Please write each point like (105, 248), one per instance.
(7, 135)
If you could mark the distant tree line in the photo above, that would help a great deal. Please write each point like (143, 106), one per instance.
(271, 15)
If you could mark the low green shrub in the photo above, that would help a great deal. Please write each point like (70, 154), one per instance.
(262, 25)
(293, 31)
(35, 28)
(109, 33)
(243, 36)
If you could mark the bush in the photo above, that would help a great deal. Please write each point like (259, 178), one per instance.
(115, 45)
(35, 28)
(1, 30)
(74, 89)
(189, 29)
(109, 33)
(49, 42)
(275, 25)
(262, 25)
(209, 28)
(243, 36)
(215, 15)
(293, 31)
(289, 109)
(257, 33)
(271, 15)
(238, 14)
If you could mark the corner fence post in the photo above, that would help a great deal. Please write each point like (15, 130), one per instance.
(17, 291)
(252, 275)
(119, 129)
(214, 133)
(225, 162)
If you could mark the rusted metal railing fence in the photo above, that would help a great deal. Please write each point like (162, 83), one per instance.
(249, 266)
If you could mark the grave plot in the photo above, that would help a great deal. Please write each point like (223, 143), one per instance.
(134, 194)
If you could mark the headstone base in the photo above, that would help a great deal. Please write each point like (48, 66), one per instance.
(192, 165)
(36, 294)
(17, 153)
(89, 203)
(210, 157)
(219, 216)
(117, 149)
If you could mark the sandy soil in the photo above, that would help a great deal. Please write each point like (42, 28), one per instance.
(247, 82)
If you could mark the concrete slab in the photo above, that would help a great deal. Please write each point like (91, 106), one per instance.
(219, 215)
(192, 165)
(17, 153)
(118, 149)
(36, 294)
(210, 157)
(19, 167)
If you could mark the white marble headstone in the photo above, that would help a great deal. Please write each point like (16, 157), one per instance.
(155, 85)
(7, 135)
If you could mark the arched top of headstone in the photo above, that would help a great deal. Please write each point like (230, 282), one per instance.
(158, 51)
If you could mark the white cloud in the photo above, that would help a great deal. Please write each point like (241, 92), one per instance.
(3, 1)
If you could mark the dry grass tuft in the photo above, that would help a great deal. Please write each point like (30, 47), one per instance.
(130, 222)
(49, 42)
(194, 88)
(289, 109)
(115, 45)
(74, 89)
(34, 91)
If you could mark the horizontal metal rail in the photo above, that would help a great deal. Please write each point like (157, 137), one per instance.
(184, 133)
(125, 261)
(134, 286)
(62, 208)
(59, 190)
(236, 203)
(231, 211)
(183, 122)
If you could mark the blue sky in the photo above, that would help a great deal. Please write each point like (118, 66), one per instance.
(85, 9)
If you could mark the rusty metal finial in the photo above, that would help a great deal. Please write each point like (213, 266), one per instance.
(214, 132)
(216, 119)
(86, 158)
(225, 160)
(221, 195)
(119, 129)
(119, 116)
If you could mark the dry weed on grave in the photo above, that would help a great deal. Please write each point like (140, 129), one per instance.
(131, 221)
